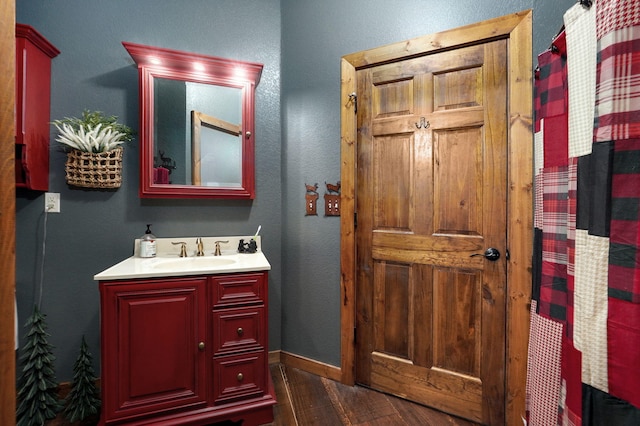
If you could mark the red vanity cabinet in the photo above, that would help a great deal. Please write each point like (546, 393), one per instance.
(185, 350)
(33, 96)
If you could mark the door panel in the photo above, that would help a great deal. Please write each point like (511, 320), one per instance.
(391, 307)
(457, 182)
(457, 89)
(392, 181)
(456, 337)
(430, 193)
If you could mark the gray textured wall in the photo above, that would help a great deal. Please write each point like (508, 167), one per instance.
(298, 136)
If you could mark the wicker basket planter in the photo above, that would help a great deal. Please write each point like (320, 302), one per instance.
(101, 170)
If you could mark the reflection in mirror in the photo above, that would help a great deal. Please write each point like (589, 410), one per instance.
(169, 131)
(216, 151)
(197, 121)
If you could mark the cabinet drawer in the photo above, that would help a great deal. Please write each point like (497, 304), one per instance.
(237, 330)
(238, 377)
(238, 289)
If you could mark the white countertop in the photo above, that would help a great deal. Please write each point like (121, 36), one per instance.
(167, 262)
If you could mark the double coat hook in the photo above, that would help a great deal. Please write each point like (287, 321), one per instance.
(423, 124)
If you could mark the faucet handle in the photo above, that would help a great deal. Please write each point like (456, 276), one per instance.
(199, 247)
(183, 248)
(218, 252)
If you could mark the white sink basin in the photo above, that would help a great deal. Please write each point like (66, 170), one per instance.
(168, 264)
(191, 263)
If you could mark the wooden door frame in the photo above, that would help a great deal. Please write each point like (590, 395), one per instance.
(517, 29)
(7, 212)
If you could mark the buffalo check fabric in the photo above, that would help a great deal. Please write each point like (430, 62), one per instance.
(584, 350)
(624, 251)
(552, 86)
(551, 81)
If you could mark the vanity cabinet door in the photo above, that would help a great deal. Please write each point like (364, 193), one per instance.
(153, 346)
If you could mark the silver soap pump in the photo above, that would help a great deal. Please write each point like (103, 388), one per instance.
(148, 243)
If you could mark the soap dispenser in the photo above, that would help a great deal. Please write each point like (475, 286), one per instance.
(148, 243)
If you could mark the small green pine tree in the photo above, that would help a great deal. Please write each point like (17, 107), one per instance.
(84, 399)
(37, 395)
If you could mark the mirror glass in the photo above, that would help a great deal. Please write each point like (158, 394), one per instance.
(197, 133)
(197, 123)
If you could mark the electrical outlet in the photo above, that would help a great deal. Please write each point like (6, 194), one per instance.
(52, 202)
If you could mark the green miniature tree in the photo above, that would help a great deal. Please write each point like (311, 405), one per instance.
(84, 398)
(37, 395)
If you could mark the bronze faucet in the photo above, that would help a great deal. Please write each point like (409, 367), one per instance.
(217, 252)
(183, 248)
(200, 247)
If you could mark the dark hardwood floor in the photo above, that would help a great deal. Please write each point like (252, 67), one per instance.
(305, 399)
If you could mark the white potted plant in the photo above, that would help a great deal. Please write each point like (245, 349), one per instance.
(94, 149)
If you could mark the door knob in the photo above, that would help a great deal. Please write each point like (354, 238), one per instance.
(201, 346)
(490, 254)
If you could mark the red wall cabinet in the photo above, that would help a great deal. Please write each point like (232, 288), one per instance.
(185, 350)
(33, 99)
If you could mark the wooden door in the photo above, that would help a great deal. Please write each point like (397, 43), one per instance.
(8, 213)
(431, 189)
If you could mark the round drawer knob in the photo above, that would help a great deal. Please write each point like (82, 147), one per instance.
(240, 331)
(201, 346)
(240, 377)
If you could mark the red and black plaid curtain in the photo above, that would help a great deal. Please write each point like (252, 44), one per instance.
(584, 346)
